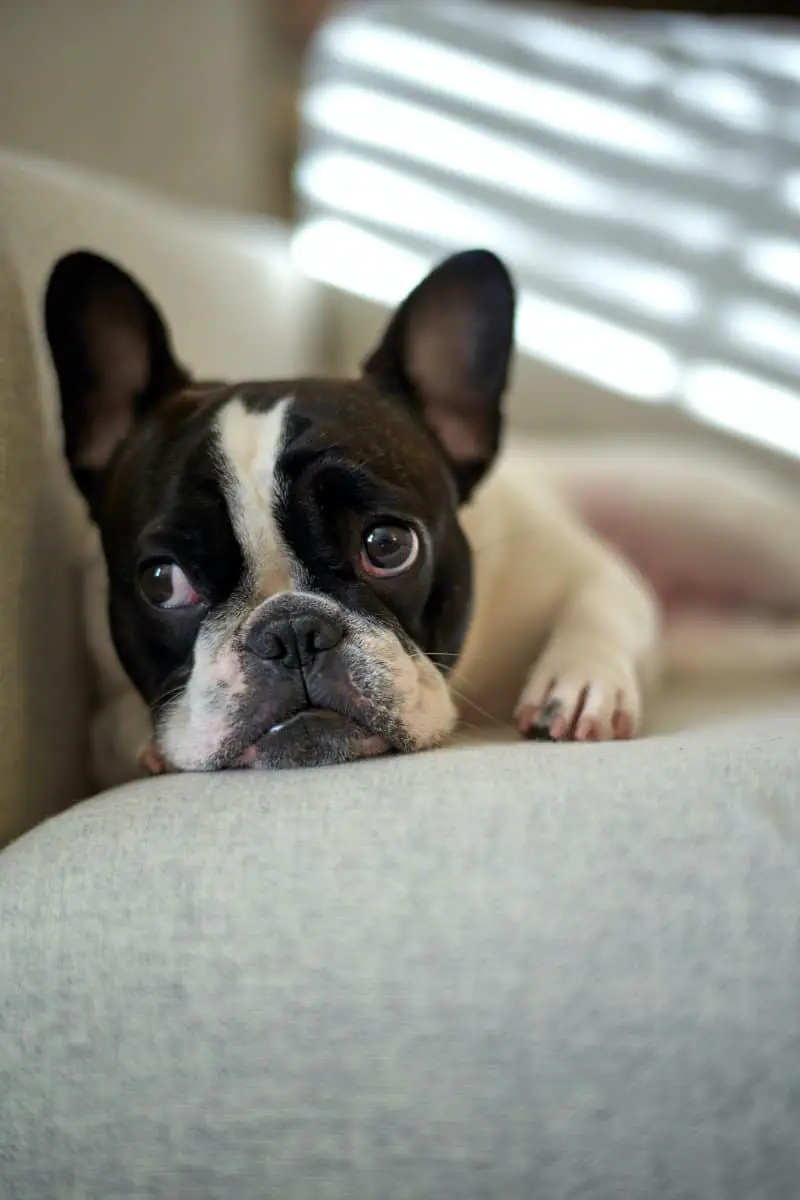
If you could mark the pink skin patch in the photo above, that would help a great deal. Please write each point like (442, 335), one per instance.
(374, 746)
(151, 761)
(227, 670)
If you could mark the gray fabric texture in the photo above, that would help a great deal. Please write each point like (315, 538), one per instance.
(509, 972)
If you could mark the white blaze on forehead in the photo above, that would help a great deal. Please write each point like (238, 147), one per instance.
(250, 443)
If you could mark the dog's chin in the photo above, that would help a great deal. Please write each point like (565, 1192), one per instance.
(315, 737)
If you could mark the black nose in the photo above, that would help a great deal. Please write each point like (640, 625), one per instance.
(294, 642)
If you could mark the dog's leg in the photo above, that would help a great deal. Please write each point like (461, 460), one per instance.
(588, 682)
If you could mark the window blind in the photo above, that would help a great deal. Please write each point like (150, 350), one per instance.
(640, 174)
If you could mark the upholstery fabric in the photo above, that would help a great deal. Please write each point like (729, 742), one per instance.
(503, 973)
(42, 694)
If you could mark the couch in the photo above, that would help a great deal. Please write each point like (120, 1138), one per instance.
(501, 971)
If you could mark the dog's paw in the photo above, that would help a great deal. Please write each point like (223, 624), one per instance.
(577, 702)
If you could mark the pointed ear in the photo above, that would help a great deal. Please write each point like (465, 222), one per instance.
(112, 356)
(447, 350)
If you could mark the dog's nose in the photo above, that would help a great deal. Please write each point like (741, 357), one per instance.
(295, 642)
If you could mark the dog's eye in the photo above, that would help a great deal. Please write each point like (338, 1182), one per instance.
(165, 585)
(389, 549)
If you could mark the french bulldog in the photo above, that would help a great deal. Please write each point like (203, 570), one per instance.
(312, 571)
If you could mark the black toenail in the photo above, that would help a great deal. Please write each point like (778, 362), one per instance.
(540, 729)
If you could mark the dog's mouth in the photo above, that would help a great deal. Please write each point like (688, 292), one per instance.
(311, 737)
(281, 720)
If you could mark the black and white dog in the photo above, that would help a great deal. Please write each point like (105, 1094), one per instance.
(312, 571)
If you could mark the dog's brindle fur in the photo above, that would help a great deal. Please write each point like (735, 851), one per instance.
(261, 493)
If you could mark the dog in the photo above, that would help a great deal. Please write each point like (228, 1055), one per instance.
(312, 571)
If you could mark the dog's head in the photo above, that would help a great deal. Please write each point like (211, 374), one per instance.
(288, 580)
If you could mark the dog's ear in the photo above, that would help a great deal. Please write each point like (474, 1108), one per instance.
(112, 357)
(446, 351)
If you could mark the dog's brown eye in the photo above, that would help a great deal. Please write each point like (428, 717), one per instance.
(165, 585)
(389, 549)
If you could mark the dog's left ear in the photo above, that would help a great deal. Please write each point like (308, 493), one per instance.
(446, 351)
(113, 358)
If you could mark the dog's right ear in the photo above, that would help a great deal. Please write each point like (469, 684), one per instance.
(446, 353)
(112, 356)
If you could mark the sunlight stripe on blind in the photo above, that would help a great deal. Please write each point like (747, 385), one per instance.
(638, 175)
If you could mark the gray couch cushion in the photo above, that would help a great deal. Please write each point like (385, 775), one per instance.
(512, 972)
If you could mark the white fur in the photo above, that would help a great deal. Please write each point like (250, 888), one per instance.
(555, 611)
(249, 445)
(195, 726)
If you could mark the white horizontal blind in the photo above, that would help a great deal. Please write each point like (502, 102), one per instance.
(641, 176)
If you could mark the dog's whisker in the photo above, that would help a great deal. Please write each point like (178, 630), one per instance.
(164, 700)
(477, 659)
(495, 721)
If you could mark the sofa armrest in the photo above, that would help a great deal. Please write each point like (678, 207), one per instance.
(42, 692)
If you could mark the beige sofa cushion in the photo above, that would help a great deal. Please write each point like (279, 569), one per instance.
(237, 306)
